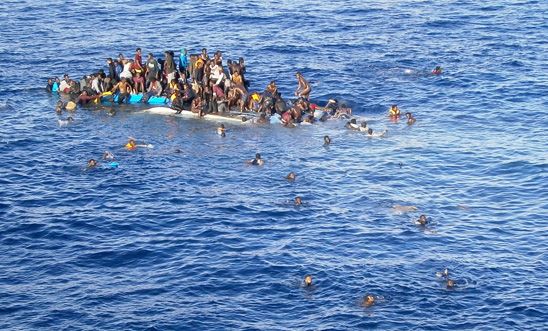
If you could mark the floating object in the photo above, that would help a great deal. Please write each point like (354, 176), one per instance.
(166, 111)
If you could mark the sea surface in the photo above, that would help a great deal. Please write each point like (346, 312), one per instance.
(198, 240)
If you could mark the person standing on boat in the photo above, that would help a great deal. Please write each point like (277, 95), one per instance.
(152, 68)
(304, 89)
(169, 67)
(183, 63)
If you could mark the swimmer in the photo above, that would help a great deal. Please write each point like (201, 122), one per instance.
(444, 273)
(59, 107)
(422, 221)
(394, 111)
(368, 301)
(131, 144)
(291, 176)
(352, 125)
(66, 122)
(451, 283)
(298, 201)
(257, 160)
(363, 127)
(108, 156)
(221, 130)
(92, 163)
(307, 280)
(371, 134)
(437, 70)
(410, 119)
(326, 140)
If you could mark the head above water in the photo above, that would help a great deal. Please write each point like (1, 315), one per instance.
(92, 163)
(451, 283)
(370, 131)
(291, 176)
(298, 201)
(257, 156)
(353, 121)
(368, 301)
(408, 115)
(422, 220)
(326, 140)
(307, 280)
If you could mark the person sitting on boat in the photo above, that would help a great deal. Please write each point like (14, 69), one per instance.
(253, 102)
(123, 89)
(394, 111)
(154, 90)
(177, 102)
(198, 105)
(171, 88)
(303, 89)
(410, 119)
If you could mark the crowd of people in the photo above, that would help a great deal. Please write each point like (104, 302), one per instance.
(203, 84)
(206, 85)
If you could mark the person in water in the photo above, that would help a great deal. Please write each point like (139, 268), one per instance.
(437, 70)
(410, 119)
(108, 156)
(422, 221)
(92, 163)
(131, 145)
(352, 125)
(307, 281)
(368, 300)
(363, 127)
(66, 122)
(257, 160)
(303, 89)
(371, 134)
(394, 111)
(291, 176)
(450, 283)
(326, 140)
(221, 130)
(298, 201)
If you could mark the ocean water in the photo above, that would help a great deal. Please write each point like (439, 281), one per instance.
(198, 240)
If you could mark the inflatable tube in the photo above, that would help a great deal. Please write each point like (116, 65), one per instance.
(134, 99)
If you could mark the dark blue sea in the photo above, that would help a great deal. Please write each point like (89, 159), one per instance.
(198, 240)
